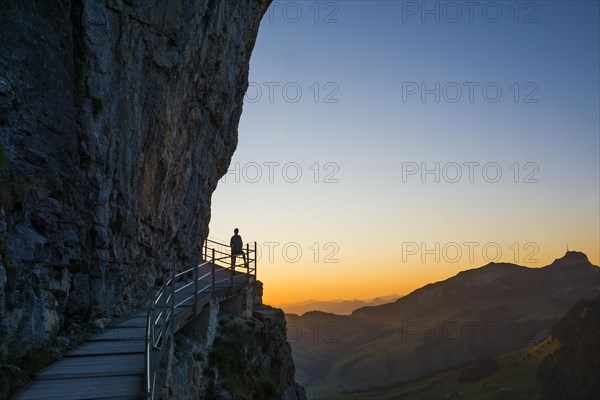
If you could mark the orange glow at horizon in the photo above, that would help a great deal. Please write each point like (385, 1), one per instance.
(284, 284)
(329, 248)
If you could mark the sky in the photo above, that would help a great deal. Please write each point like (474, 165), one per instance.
(385, 145)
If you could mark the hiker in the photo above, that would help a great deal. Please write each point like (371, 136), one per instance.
(237, 246)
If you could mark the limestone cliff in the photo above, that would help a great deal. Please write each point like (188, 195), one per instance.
(117, 118)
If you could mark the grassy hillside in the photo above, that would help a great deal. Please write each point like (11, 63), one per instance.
(572, 371)
(514, 378)
(563, 366)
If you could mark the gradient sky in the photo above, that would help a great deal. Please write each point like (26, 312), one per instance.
(379, 230)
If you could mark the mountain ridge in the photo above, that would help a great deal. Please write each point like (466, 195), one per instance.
(500, 269)
(485, 311)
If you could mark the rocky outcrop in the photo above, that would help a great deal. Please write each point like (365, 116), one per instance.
(234, 350)
(117, 118)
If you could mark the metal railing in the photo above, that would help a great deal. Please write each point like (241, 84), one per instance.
(161, 323)
(220, 255)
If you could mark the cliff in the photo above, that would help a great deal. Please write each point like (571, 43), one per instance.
(236, 349)
(117, 118)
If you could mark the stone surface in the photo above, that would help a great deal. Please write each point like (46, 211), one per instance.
(117, 118)
(226, 354)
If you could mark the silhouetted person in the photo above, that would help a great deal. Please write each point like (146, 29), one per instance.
(237, 246)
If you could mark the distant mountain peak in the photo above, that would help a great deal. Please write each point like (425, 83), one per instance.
(572, 258)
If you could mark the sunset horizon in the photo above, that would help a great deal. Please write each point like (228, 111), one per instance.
(378, 288)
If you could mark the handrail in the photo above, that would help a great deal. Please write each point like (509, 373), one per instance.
(160, 321)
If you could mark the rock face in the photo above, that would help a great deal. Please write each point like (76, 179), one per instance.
(234, 350)
(117, 118)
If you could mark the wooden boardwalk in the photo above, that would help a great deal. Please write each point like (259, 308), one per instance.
(110, 365)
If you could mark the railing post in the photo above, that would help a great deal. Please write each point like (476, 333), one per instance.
(148, 350)
(213, 272)
(232, 273)
(196, 290)
(247, 258)
(152, 314)
(255, 261)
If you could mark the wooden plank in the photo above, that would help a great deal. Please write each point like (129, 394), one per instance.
(104, 365)
(108, 347)
(121, 334)
(124, 387)
(131, 323)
